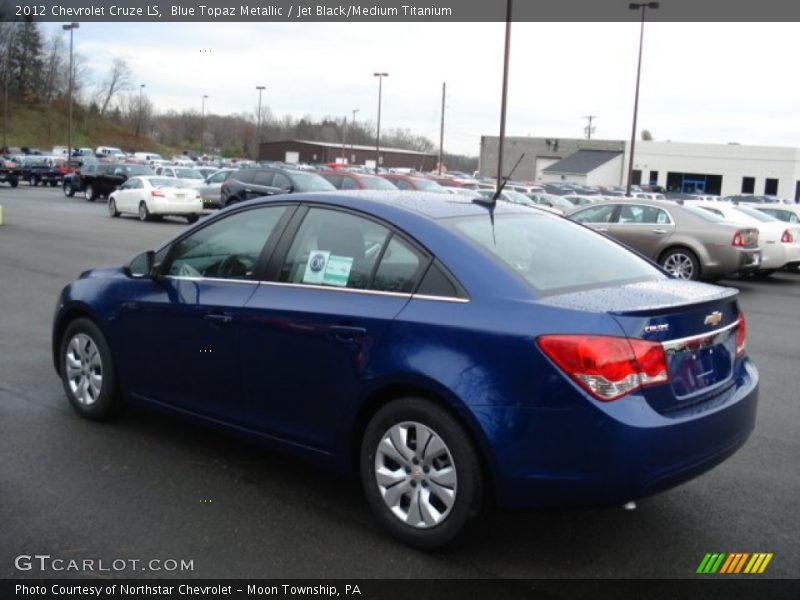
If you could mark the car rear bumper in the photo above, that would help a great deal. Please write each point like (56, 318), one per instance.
(175, 207)
(602, 459)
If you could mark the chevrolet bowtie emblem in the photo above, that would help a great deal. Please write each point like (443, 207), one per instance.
(713, 319)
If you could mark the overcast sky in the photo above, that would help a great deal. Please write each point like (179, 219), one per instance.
(701, 82)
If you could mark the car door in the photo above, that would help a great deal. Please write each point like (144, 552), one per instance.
(182, 328)
(644, 228)
(311, 330)
(126, 196)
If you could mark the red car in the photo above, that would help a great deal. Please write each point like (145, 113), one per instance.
(344, 180)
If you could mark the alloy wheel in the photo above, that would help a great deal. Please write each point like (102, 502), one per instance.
(84, 369)
(416, 475)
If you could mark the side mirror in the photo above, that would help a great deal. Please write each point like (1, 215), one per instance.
(141, 266)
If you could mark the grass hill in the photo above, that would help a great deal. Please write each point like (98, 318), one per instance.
(46, 126)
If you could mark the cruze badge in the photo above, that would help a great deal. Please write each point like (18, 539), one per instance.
(656, 328)
(713, 319)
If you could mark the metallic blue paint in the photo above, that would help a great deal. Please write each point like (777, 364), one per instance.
(296, 367)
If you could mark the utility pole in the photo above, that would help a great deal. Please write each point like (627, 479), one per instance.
(589, 129)
(260, 89)
(71, 27)
(344, 139)
(141, 110)
(441, 130)
(380, 77)
(501, 141)
(203, 125)
(353, 124)
(5, 92)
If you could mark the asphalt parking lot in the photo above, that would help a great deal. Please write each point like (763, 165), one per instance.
(149, 487)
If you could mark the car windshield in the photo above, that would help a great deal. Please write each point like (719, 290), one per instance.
(161, 182)
(428, 185)
(560, 202)
(377, 183)
(554, 255)
(308, 182)
(133, 170)
(756, 214)
(517, 198)
(188, 174)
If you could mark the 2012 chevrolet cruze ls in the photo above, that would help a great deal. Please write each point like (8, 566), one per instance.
(447, 353)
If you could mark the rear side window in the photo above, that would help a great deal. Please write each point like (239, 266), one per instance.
(336, 249)
(263, 178)
(554, 255)
(348, 183)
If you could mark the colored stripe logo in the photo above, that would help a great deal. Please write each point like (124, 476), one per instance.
(734, 563)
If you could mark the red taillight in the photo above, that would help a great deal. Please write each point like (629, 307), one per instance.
(607, 367)
(741, 335)
(787, 237)
(157, 193)
(738, 239)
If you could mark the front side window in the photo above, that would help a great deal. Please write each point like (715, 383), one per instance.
(334, 248)
(264, 178)
(225, 249)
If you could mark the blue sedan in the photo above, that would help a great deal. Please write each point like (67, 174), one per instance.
(450, 355)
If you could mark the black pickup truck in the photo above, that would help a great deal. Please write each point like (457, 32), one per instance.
(100, 179)
(40, 169)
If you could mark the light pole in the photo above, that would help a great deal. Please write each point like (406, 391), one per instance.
(5, 92)
(380, 77)
(141, 110)
(71, 27)
(203, 124)
(260, 89)
(643, 6)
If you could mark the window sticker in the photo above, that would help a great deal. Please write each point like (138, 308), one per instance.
(323, 268)
(315, 267)
(337, 271)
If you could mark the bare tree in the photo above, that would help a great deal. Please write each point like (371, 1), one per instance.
(54, 73)
(118, 80)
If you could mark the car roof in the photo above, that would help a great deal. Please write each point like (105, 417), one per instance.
(386, 202)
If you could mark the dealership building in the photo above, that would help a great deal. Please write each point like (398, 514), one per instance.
(723, 169)
(294, 151)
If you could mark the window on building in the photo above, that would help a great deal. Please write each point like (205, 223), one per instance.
(748, 185)
(771, 187)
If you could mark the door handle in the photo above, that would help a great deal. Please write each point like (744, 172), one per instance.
(601, 229)
(346, 333)
(659, 231)
(218, 318)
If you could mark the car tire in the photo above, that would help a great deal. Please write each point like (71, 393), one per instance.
(424, 496)
(681, 263)
(69, 191)
(764, 273)
(87, 371)
(89, 194)
(53, 183)
(112, 208)
(192, 218)
(144, 213)
(13, 182)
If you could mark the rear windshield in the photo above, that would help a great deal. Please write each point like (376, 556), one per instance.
(555, 255)
(309, 182)
(377, 183)
(704, 214)
(428, 185)
(756, 214)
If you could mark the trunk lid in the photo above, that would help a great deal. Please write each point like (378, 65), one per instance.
(696, 324)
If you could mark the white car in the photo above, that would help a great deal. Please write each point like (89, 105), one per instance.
(148, 196)
(779, 241)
